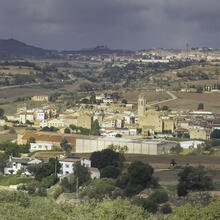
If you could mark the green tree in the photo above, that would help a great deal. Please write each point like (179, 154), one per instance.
(165, 108)
(176, 149)
(140, 173)
(200, 106)
(67, 131)
(2, 112)
(195, 179)
(65, 145)
(93, 99)
(148, 204)
(106, 157)
(95, 126)
(159, 196)
(124, 101)
(82, 173)
(110, 172)
(40, 171)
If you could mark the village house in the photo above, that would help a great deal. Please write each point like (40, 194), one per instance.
(46, 139)
(57, 123)
(40, 98)
(84, 120)
(40, 146)
(199, 133)
(67, 164)
(15, 164)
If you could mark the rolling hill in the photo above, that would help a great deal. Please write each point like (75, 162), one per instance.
(13, 49)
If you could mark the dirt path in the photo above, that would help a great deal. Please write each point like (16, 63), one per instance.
(173, 97)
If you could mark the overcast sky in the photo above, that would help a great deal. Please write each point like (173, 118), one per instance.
(125, 24)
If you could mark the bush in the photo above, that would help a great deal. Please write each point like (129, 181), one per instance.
(57, 192)
(117, 193)
(5, 127)
(133, 188)
(49, 181)
(166, 209)
(110, 172)
(67, 131)
(122, 181)
(31, 190)
(42, 192)
(159, 196)
(99, 189)
(147, 204)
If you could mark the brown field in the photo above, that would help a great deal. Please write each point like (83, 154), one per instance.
(151, 96)
(170, 177)
(11, 94)
(156, 161)
(163, 161)
(190, 101)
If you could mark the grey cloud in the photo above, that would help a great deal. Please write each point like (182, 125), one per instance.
(132, 24)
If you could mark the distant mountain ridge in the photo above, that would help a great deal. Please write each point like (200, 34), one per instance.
(12, 49)
(98, 50)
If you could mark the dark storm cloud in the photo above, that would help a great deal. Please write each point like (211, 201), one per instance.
(134, 24)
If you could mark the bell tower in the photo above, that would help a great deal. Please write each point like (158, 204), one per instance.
(141, 105)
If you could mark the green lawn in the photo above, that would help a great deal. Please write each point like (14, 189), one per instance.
(14, 180)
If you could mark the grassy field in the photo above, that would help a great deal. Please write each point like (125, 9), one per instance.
(14, 180)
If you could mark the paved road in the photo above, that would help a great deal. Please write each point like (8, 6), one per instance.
(172, 97)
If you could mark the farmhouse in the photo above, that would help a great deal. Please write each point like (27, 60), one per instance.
(15, 164)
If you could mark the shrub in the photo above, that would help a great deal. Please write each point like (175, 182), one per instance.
(122, 181)
(67, 131)
(166, 209)
(159, 196)
(99, 189)
(147, 204)
(31, 190)
(49, 181)
(42, 192)
(117, 193)
(57, 192)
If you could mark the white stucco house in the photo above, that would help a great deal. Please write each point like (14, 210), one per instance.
(38, 146)
(15, 164)
(68, 164)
